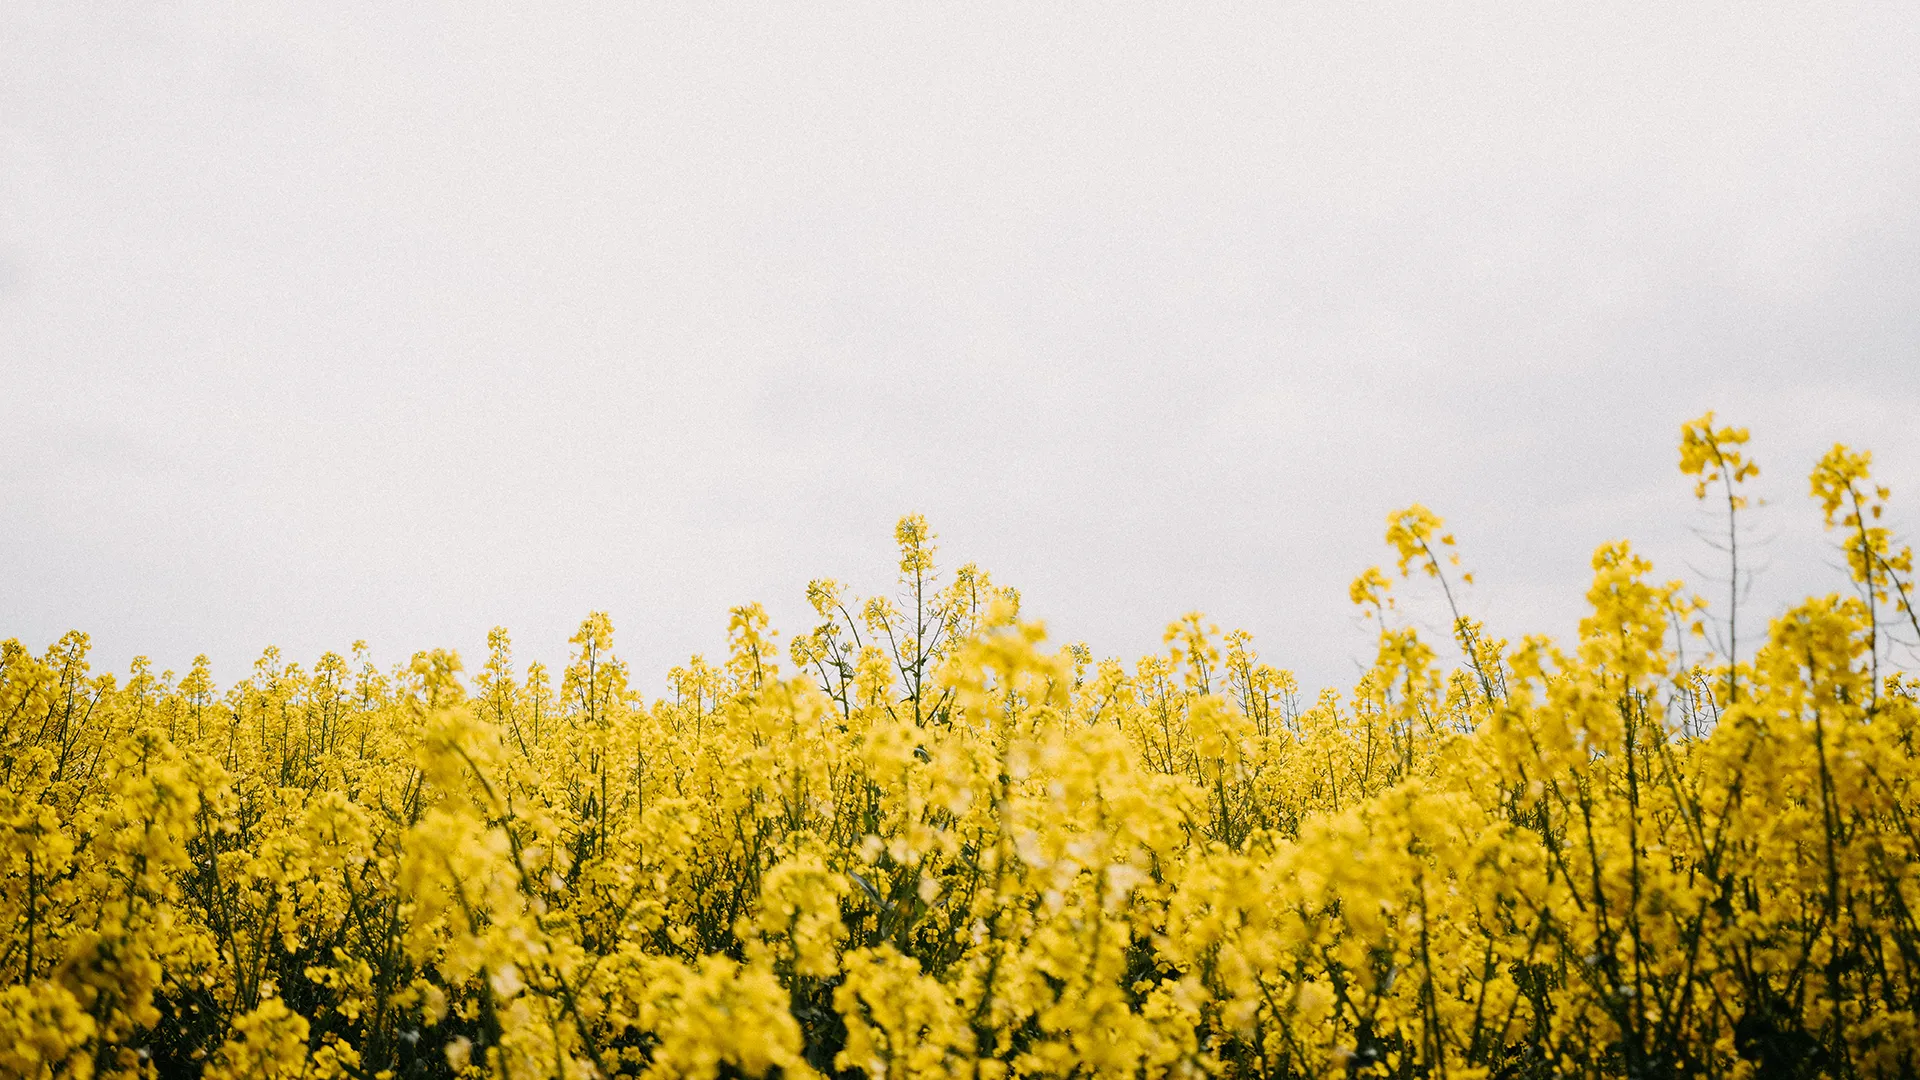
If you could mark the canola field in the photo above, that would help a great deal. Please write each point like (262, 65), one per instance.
(919, 841)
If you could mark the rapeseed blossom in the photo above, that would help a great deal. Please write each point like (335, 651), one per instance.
(922, 841)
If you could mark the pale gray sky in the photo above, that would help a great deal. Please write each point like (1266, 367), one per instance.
(322, 322)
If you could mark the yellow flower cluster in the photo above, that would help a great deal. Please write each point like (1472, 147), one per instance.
(919, 842)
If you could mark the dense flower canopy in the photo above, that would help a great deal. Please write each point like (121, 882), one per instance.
(919, 841)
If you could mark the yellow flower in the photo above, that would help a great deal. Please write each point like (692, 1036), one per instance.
(947, 847)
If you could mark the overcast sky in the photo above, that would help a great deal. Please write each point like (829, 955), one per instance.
(399, 322)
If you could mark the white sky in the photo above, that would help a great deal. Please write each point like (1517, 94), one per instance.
(321, 322)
